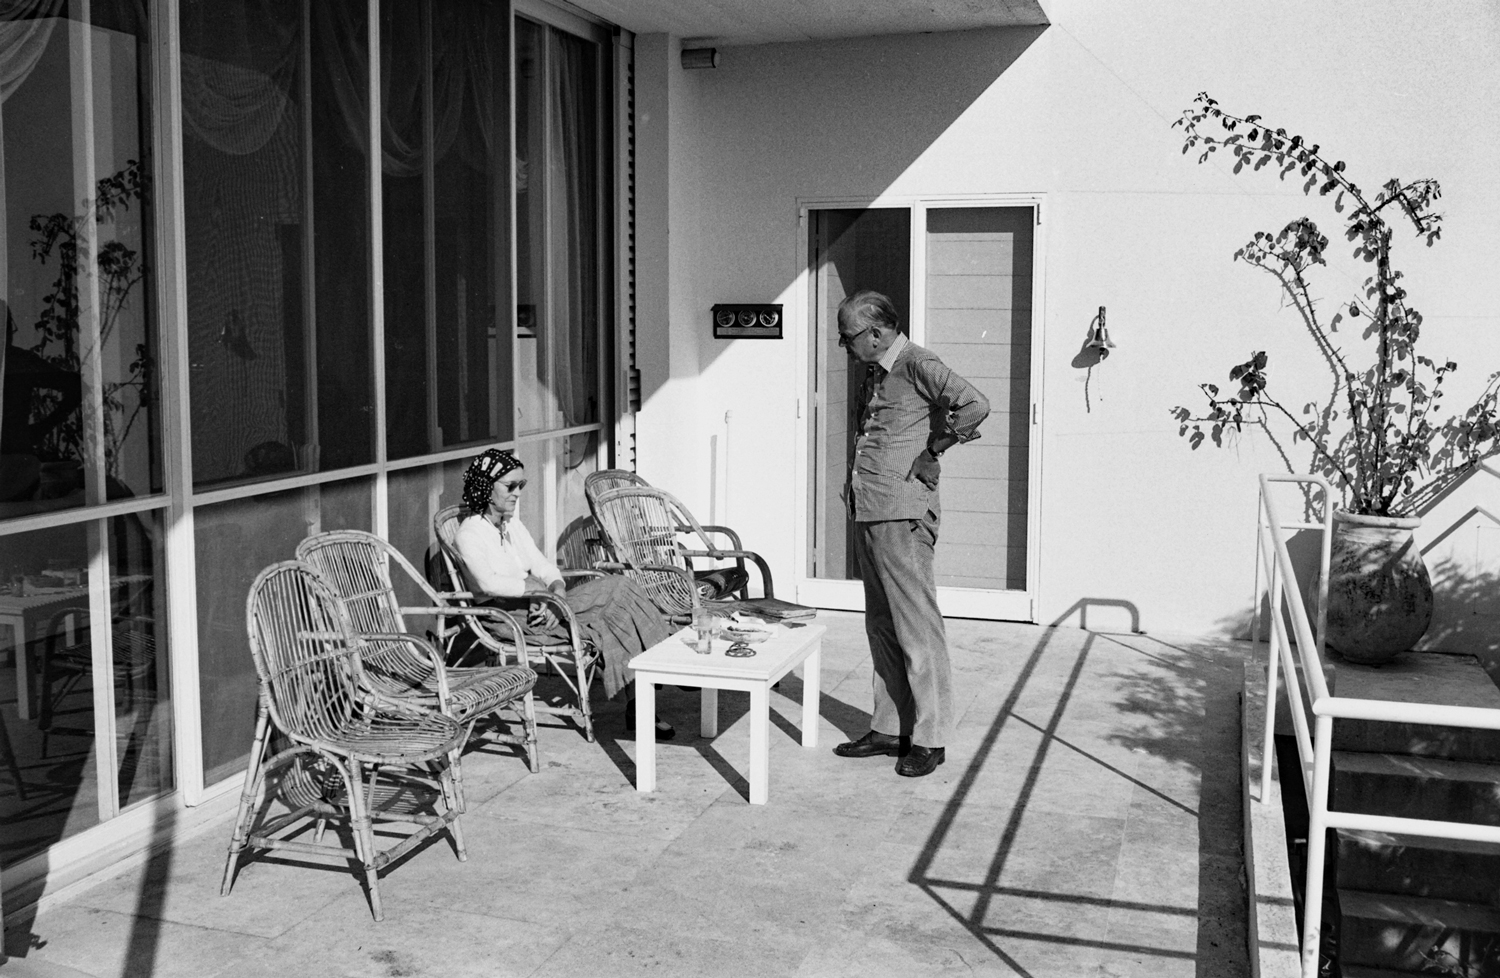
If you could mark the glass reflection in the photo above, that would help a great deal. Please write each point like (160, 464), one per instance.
(446, 211)
(77, 417)
(275, 182)
(50, 697)
(554, 499)
(558, 207)
(234, 541)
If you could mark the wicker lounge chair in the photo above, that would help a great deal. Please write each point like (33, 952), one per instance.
(394, 752)
(713, 583)
(642, 525)
(574, 660)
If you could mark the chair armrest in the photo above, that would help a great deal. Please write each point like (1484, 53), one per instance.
(439, 668)
(765, 571)
(581, 574)
(734, 538)
(475, 616)
(564, 613)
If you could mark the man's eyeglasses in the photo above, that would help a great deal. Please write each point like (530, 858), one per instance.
(509, 487)
(846, 339)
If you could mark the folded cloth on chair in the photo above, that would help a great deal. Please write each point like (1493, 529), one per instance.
(776, 609)
(720, 582)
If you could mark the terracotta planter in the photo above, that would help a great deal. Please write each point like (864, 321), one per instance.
(1379, 594)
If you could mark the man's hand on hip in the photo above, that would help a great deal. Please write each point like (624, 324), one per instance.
(925, 469)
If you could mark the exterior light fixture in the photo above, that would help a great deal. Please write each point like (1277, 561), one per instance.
(1099, 337)
(700, 57)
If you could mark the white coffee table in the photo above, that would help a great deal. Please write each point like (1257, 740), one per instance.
(674, 661)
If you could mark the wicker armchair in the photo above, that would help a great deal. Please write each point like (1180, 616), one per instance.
(581, 547)
(573, 655)
(642, 525)
(713, 583)
(344, 736)
(598, 483)
(358, 566)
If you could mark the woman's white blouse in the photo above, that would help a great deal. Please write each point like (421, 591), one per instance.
(499, 563)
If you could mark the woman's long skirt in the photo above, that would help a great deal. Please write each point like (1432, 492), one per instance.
(618, 618)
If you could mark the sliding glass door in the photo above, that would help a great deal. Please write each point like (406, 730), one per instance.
(962, 279)
(86, 728)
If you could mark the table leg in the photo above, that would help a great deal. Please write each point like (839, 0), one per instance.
(23, 669)
(760, 743)
(645, 733)
(708, 723)
(812, 673)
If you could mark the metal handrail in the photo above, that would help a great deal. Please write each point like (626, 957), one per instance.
(1315, 748)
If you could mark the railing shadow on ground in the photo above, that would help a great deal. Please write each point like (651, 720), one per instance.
(1176, 707)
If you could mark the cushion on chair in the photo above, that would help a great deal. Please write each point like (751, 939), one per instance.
(722, 581)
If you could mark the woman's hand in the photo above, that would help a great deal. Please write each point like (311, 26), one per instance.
(541, 615)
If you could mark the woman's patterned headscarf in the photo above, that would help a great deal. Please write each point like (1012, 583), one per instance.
(484, 472)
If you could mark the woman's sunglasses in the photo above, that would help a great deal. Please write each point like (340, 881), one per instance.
(516, 486)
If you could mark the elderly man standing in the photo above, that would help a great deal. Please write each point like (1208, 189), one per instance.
(912, 410)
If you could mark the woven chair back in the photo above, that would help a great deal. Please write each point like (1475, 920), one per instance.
(596, 484)
(581, 545)
(445, 526)
(304, 651)
(640, 523)
(358, 565)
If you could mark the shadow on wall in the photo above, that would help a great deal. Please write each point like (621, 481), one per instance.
(1466, 613)
(1303, 547)
(881, 103)
(1466, 603)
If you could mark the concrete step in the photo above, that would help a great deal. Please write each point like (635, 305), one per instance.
(1417, 677)
(1446, 869)
(1416, 787)
(1417, 934)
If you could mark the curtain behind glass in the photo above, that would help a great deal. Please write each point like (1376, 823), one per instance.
(275, 172)
(447, 224)
(574, 206)
(558, 206)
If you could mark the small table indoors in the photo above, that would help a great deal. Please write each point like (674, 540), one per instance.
(20, 613)
(674, 661)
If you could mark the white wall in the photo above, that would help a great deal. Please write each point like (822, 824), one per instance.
(1079, 111)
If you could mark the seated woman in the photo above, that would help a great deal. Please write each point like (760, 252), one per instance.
(503, 562)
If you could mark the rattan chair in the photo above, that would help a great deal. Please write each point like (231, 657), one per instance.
(581, 547)
(574, 660)
(642, 525)
(345, 736)
(713, 582)
(597, 483)
(65, 665)
(358, 565)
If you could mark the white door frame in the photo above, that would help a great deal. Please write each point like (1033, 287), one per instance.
(954, 602)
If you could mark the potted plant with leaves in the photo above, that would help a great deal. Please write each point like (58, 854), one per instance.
(1380, 432)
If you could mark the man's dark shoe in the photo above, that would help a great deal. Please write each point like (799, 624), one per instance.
(920, 761)
(872, 745)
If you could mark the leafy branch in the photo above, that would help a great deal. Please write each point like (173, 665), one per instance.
(1392, 451)
(59, 325)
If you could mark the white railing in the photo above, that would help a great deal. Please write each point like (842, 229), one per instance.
(1315, 748)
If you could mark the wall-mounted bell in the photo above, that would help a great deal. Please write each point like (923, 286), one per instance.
(1099, 336)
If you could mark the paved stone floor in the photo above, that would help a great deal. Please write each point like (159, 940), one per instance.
(1087, 823)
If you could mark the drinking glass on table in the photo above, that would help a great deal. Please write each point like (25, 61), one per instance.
(703, 624)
